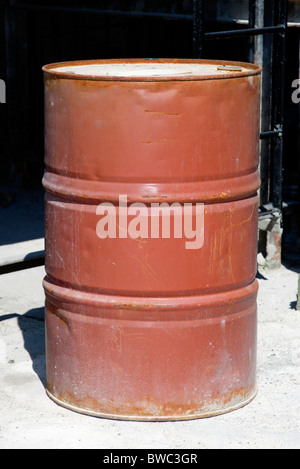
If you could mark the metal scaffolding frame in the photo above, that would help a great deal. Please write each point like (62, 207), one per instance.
(272, 58)
(266, 18)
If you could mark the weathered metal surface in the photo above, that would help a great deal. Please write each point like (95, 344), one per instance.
(144, 328)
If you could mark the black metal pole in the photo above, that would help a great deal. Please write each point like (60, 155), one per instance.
(279, 51)
(244, 32)
(198, 28)
(266, 90)
(252, 17)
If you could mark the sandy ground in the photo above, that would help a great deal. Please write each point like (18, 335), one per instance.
(29, 419)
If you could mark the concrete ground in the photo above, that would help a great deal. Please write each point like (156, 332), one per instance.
(30, 420)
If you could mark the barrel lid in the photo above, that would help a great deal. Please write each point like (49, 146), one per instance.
(150, 69)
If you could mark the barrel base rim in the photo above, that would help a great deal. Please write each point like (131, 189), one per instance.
(153, 418)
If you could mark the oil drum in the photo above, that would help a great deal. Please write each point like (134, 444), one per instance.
(151, 180)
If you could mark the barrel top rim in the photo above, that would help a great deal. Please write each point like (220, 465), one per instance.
(210, 70)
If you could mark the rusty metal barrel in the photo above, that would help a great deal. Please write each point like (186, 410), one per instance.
(146, 324)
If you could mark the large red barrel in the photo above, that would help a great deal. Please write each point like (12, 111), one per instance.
(151, 178)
